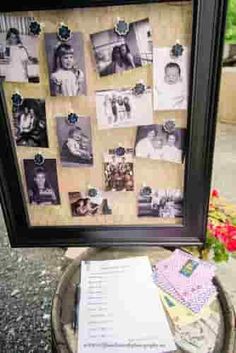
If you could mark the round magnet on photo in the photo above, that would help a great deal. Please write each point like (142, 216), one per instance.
(17, 99)
(120, 151)
(38, 159)
(121, 28)
(146, 191)
(72, 118)
(35, 28)
(169, 126)
(177, 50)
(139, 89)
(92, 192)
(64, 33)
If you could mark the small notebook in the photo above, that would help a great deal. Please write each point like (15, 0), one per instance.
(187, 274)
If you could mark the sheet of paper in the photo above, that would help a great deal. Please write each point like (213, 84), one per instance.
(120, 309)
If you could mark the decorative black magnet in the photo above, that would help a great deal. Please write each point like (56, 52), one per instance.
(35, 28)
(64, 33)
(169, 126)
(72, 118)
(38, 159)
(121, 28)
(177, 50)
(146, 191)
(120, 151)
(92, 192)
(139, 89)
(17, 99)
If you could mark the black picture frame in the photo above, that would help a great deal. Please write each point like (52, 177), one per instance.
(207, 45)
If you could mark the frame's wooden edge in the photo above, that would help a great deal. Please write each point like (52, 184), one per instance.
(29, 5)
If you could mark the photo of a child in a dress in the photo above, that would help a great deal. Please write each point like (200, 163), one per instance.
(29, 121)
(84, 205)
(75, 142)
(118, 171)
(122, 108)
(18, 50)
(66, 65)
(170, 80)
(154, 142)
(41, 182)
(161, 203)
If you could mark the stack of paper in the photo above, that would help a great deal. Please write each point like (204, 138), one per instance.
(187, 280)
(120, 309)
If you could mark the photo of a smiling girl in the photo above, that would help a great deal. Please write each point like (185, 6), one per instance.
(66, 65)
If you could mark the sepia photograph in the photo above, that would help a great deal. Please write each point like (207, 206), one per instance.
(122, 108)
(84, 205)
(41, 182)
(161, 203)
(153, 142)
(75, 142)
(115, 54)
(29, 122)
(66, 65)
(19, 57)
(170, 79)
(119, 172)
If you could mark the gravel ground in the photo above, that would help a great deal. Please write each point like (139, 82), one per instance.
(28, 278)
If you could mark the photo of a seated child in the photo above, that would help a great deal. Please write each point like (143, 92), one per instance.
(170, 80)
(84, 205)
(29, 121)
(66, 65)
(75, 142)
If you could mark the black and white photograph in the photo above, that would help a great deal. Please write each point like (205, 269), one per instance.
(75, 142)
(66, 65)
(41, 182)
(122, 108)
(19, 57)
(153, 142)
(161, 203)
(170, 79)
(119, 172)
(83, 205)
(115, 54)
(29, 121)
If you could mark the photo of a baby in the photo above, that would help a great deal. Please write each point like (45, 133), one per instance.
(18, 50)
(83, 205)
(161, 203)
(75, 142)
(122, 108)
(170, 79)
(66, 65)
